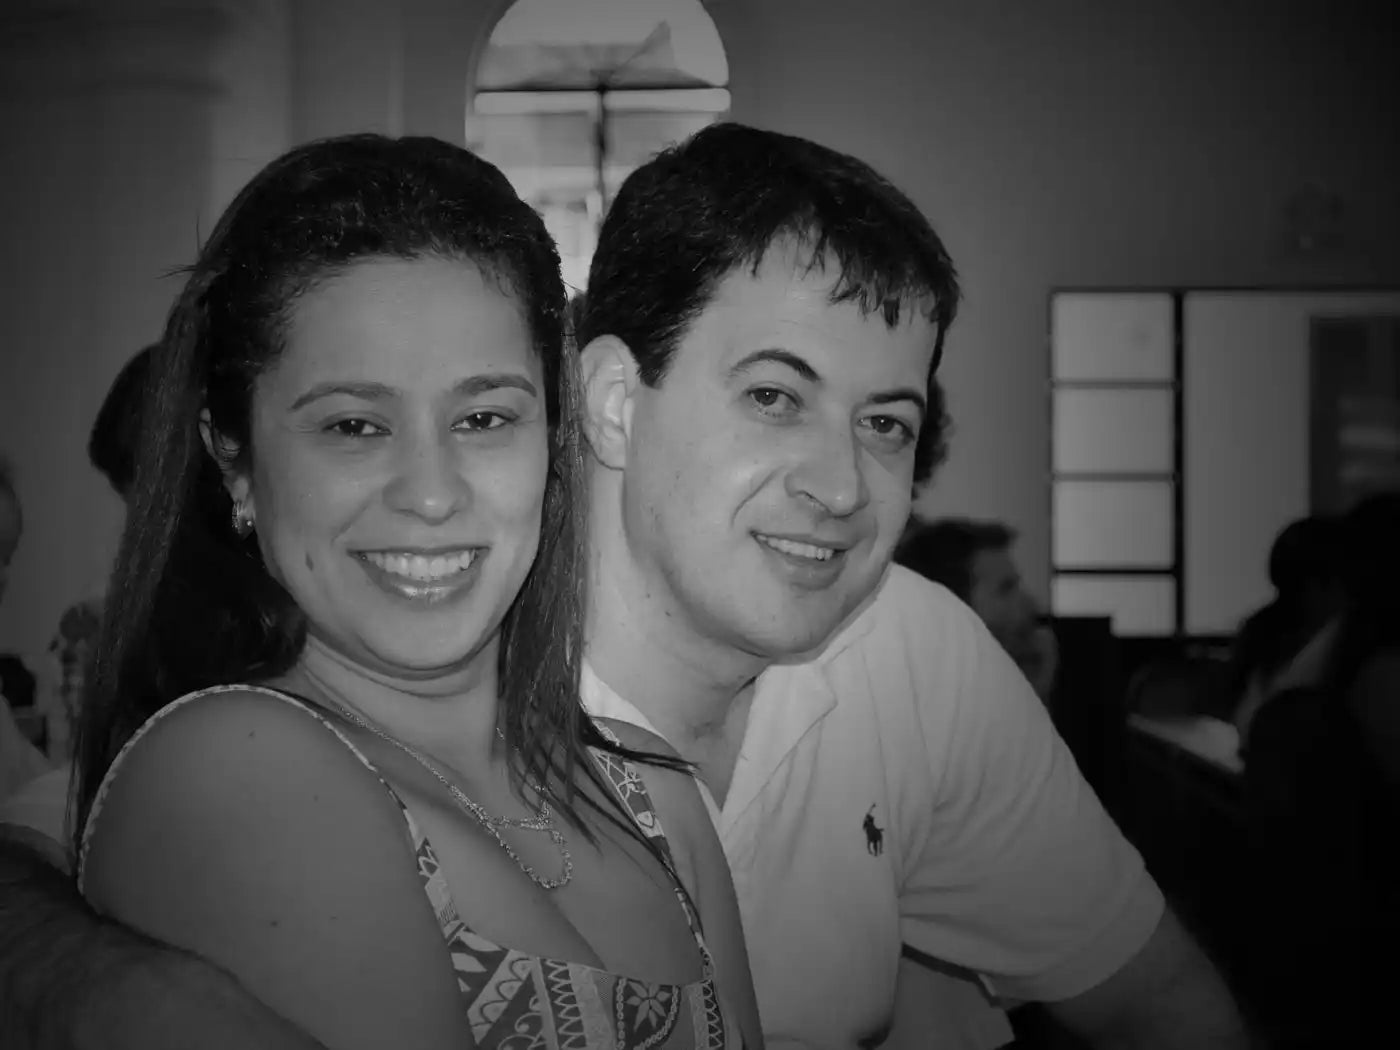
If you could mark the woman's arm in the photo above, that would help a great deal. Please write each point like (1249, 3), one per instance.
(70, 979)
(242, 830)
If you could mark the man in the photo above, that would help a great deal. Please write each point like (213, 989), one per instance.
(11, 523)
(973, 560)
(759, 338)
(20, 760)
(111, 448)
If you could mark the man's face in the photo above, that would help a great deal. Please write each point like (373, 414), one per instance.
(998, 598)
(769, 475)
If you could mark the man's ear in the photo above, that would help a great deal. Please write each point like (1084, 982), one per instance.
(225, 454)
(610, 382)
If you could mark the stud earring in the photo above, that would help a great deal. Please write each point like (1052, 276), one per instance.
(242, 520)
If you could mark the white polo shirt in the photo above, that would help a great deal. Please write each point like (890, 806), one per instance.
(984, 846)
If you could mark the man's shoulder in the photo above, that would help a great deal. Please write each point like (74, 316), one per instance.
(905, 610)
(909, 652)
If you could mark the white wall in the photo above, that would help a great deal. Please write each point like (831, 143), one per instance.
(129, 124)
(1082, 142)
(1247, 366)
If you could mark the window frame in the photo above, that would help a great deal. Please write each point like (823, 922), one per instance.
(1174, 384)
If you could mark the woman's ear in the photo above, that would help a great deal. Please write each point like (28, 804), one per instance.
(610, 380)
(225, 454)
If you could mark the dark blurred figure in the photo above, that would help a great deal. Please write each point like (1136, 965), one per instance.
(1285, 644)
(973, 560)
(1322, 802)
(111, 448)
(16, 680)
(19, 759)
(11, 523)
(1364, 662)
(116, 431)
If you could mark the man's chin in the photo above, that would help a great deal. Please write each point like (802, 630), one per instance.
(797, 639)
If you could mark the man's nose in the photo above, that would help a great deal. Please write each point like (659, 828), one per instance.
(832, 475)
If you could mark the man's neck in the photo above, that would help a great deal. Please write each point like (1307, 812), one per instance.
(686, 688)
(694, 690)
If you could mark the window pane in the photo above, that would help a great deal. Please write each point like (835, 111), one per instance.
(1111, 335)
(1248, 390)
(648, 43)
(1123, 431)
(1138, 605)
(551, 159)
(514, 141)
(1107, 524)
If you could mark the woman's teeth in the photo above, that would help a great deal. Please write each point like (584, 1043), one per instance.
(420, 568)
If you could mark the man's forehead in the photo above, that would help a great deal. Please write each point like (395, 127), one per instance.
(787, 302)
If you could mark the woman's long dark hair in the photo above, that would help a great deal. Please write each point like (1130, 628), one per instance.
(191, 605)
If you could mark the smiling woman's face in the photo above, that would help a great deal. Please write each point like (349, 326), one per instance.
(399, 458)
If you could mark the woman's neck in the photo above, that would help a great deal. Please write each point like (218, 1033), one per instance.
(452, 716)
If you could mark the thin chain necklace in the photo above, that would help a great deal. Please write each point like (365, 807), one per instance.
(541, 821)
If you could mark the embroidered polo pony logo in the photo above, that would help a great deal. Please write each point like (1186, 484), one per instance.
(874, 835)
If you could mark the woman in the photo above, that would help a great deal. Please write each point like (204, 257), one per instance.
(337, 680)
(1364, 660)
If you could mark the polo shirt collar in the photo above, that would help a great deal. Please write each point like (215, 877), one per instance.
(790, 699)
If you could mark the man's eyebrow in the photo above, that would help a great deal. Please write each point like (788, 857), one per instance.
(807, 372)
(468, 387)
(904, 393)
(783, 357)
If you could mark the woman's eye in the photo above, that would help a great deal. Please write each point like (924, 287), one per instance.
(478, 421)
(356, 428)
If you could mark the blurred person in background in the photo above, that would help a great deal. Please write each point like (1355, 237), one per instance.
(973, 559)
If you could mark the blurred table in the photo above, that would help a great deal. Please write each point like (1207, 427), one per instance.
(1207, 739)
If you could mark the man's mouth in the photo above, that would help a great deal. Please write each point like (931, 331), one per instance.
(421, 568)
(796, 548)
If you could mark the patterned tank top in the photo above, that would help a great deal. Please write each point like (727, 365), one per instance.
(527, 1002)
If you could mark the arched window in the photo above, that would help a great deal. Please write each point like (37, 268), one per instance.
(571, 95)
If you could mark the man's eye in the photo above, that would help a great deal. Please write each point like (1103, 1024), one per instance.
(891, 429)
(356, 428)
(887, 425)
(771, 401)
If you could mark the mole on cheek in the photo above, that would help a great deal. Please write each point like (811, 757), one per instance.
(310, 565)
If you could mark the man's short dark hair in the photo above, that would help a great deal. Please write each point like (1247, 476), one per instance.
(718, 201)
(943, 550)
(116, 431)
